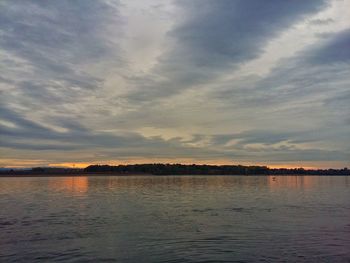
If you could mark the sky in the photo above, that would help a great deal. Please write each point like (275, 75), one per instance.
(134, 81)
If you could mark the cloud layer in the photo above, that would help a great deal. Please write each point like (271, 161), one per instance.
(183, 81)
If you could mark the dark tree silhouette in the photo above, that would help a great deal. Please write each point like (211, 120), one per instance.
(175, 169)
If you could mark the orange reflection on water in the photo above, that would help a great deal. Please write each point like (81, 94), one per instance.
(71, 184)
(292, 181)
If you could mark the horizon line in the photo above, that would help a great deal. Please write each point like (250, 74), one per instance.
(78, 166)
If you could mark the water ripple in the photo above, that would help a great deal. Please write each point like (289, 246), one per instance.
(172, 219)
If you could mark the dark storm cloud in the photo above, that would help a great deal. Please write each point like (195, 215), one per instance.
(217, 36)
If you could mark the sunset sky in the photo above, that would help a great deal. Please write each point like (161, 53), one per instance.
(190, 81)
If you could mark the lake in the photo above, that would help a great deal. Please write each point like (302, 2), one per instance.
(175, 219)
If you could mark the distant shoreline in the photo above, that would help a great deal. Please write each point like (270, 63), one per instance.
(126, 175)
(169, 169)
(71, 175)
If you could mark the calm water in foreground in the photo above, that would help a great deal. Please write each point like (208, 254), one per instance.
(175, 219)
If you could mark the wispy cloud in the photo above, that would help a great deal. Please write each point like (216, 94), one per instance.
(230, 81)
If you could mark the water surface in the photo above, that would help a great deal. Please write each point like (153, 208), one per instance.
(175, 219)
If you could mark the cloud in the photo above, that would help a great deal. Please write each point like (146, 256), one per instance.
(62, 32)
(314, 74)
(320, 22)
(335, 50)
(217, 37)
(49, 50)
(29, 135)
(77, 83)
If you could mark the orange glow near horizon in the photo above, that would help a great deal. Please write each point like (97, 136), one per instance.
(19, 163)
(70, 165)
(304, 165)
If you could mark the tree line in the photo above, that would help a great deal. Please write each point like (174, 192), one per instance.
(175, 169)
(193, 169)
